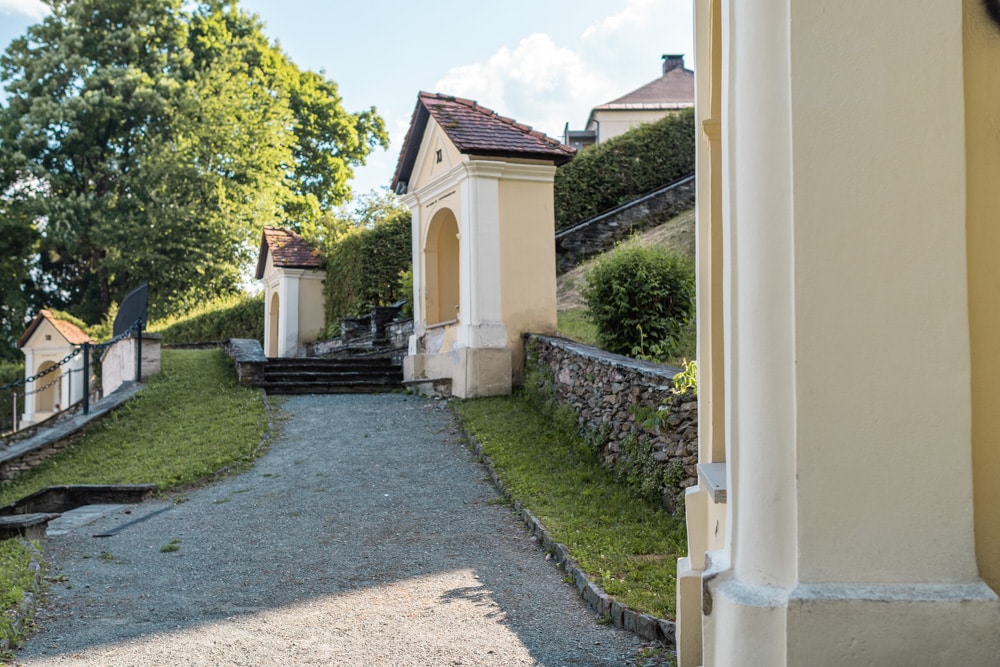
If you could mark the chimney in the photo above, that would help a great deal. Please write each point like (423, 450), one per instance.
(671, 62)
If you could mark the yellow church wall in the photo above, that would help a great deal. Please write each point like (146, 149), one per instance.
(982, 146)
(527, 258)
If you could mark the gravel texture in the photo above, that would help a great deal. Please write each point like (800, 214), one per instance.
(367, 535)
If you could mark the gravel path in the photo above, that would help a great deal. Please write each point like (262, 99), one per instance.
(367, 535)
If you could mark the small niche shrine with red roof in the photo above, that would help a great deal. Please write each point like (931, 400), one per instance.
(479, 186)
(292, 273)
(47, 341)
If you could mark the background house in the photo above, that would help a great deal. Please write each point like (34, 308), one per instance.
(673, 90)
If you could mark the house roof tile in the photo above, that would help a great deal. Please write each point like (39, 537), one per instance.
(475, 130)
(288, 250)
(73, 334)
(673, 90)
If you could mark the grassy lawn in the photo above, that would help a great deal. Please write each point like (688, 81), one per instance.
(575, 324)
(626, 544)
(190, 422)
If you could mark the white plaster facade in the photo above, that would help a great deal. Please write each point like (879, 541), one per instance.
(502, 212)
(834, 342)
(293, 296)
(44, 345)
(118, 361)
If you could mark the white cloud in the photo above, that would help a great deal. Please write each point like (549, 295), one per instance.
(635, 13)
(538, 83)
(32, 8)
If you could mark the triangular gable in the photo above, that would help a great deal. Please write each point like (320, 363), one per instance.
(72, 334)
(287, 250)
(473, 130)
(437, 155)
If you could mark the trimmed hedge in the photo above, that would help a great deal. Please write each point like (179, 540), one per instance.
(363, 268)
(641, 298)
(624, 168)
(237, 316)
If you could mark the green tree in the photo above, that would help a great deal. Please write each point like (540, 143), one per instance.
(153, 139)
(366, 257)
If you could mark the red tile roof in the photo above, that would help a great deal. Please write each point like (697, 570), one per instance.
(288, 250)
(475, 130)
(73, 334)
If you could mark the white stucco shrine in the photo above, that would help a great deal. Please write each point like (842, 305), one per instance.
(292, 273)
(479, 187)
(45, 343)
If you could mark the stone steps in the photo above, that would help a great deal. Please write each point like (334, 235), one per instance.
(331, 376)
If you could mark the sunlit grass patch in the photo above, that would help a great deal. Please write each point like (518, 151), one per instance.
(627, 544)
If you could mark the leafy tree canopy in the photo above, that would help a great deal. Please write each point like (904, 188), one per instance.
(153, 140)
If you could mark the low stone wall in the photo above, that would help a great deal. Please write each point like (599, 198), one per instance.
(601, 233)
(249, 359)
(612, 395)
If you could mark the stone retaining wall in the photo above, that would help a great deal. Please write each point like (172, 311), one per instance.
(612, 394)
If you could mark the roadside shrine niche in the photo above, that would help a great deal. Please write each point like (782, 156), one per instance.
(479, 187)
(292, 273)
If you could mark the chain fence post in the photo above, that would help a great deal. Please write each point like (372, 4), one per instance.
(138, 350)
(86, 378)
(14, 393)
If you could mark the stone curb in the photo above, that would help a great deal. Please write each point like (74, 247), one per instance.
(645, 626)
(22, 615)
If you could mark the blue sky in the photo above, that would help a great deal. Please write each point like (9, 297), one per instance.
(542, 62)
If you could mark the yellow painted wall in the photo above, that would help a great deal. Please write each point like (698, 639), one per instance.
(441, 283)
(982, 127)
(527, 258)
(614, 123)
(311, 310)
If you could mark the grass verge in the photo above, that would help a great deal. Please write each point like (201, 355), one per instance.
(628, 545)
(576, 324)
(16, 576)
(190, 422)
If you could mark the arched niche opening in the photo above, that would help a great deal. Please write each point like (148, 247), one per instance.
(441, 255)
(272, 326)
(47, 398)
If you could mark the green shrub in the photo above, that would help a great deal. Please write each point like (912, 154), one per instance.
(624, 168)
(11, 372)
(363, 267)
(641, 299)
(238, 316)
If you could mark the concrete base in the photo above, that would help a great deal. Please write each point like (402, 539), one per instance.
(689, 610)
(472, 372)
(838, 624)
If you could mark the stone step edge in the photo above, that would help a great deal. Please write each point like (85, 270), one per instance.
(645, 626)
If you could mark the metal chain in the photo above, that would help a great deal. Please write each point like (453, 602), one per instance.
(68, 374)
(51, 369)
(122, 336)
(65, 360)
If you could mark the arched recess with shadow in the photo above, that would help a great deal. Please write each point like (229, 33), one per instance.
(46, 399)
(441, 262)
(272, 326)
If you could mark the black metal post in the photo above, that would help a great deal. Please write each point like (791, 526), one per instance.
(86, 378)
(138, 350)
